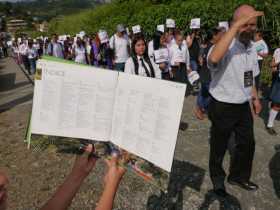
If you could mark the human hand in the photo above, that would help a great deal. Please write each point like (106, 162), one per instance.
(246, 18)
(257, 106)
(162, 66)
(114, 171)
(85, 162)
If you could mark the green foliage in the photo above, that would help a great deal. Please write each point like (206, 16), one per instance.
(149, 13)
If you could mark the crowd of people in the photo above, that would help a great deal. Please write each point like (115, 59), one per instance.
(227, 60)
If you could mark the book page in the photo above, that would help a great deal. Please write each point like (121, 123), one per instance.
(72, 100)
(146, 117)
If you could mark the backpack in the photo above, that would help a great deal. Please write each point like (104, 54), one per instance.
(136, 65)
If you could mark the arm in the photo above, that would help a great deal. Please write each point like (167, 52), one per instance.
(220, 49)
(66, 192)
(112, 179)
(190, 40)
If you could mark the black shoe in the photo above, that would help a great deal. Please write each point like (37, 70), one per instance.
(246, 185)
(221, 192)
(271, 131)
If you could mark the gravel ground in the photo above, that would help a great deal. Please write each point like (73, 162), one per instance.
(34, 175)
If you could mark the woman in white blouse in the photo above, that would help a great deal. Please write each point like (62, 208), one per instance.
(139, 63)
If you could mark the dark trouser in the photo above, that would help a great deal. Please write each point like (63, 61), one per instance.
(26, 63)
(227, 119)
(179, 73)
(165, 76)
(257, 78)
(119, 67)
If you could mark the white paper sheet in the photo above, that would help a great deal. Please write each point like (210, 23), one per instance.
(195, 23)
(71, 104)
(147, 116)
(161, 55)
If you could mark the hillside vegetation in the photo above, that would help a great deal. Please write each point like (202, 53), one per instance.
(149, 13)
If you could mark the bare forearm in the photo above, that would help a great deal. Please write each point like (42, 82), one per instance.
(222, 46)
(64, 195)
(254, 93)
(107, 199)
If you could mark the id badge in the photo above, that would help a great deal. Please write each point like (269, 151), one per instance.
(248, 79)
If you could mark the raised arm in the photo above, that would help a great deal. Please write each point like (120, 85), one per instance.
(220, 49)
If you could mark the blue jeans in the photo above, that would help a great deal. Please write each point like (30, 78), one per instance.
(203, 98)
(119, 67)
(193, 65)
(32, 63)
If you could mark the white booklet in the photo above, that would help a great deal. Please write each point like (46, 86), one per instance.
(139, 114)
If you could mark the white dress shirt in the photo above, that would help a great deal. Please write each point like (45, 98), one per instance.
(229, 83)
(178, 55)
(120, 45)
(130, 69)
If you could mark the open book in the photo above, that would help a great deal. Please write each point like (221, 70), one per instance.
(139, 114)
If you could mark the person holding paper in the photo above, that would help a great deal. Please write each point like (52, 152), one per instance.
(179, 59)
(275, 93)
(4, 182)
(233, 64)
(84, 164)
(203, 98)
(158, 52)
(170, 28)
(140, 63)
(120, 45)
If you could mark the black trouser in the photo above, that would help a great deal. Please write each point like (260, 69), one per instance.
(227, 119)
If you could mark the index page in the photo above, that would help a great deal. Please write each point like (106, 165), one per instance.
(73, 100)
(146, 117)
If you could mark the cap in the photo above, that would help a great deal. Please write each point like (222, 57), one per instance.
(120, 28)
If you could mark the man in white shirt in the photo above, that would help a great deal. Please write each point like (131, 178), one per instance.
(55, 48)
(233, 65)
(262, 51)
(23, 54)
(120, 44)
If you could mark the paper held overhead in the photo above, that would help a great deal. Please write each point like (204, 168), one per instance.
(136, 29)
(103, 36)
(170, 23)
(160, 28)
(224, 24)
(195, 23)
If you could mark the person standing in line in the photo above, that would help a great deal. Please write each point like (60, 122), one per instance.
(32, 54)
(139, 63)
(55, 48)
(158, 44)
(23, 53)
(79, 52)
(203, 98)
(262, 50)
(179, 59)
(233, 64)
(275, 93)
(121, 47)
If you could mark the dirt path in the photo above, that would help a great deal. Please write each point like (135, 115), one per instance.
(35, 175)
